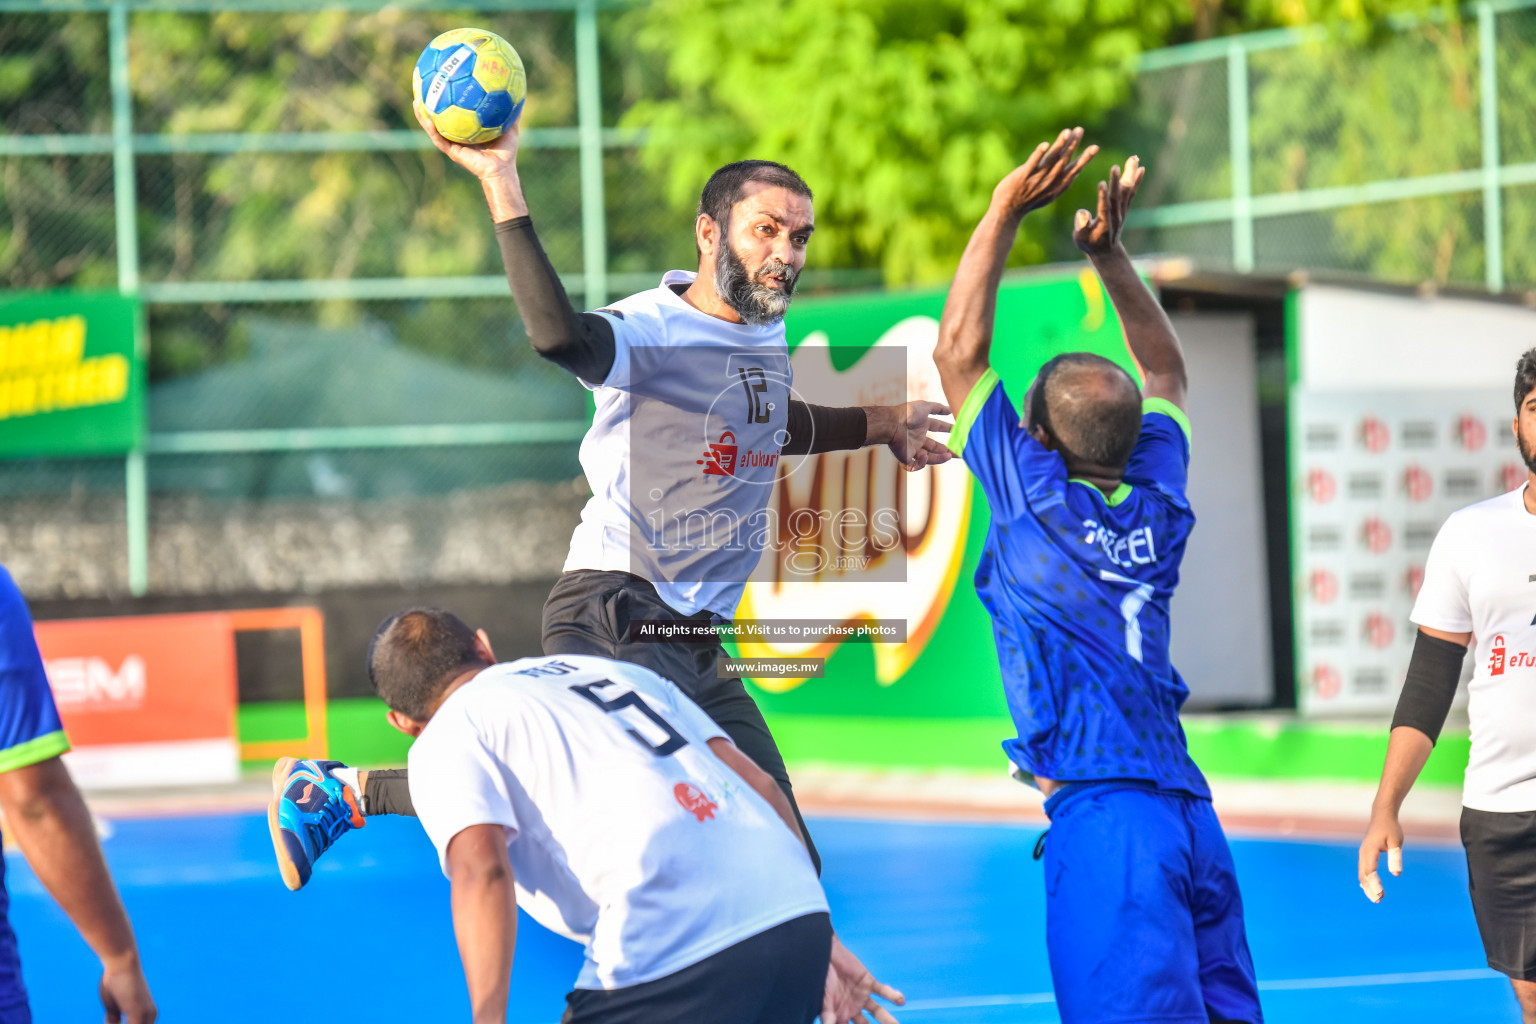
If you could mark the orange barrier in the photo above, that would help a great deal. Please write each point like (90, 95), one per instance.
(311, 626)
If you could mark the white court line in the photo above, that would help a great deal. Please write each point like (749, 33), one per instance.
(1285, 985)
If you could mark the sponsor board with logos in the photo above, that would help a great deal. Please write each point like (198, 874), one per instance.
(1374, 475)
(71, 374)
(147, 700)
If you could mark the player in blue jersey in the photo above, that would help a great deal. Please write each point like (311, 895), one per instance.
(45, 813)
(1089, 521)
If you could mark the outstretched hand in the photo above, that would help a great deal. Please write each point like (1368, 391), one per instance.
(490, 160)
(912, 446)
(1043, 177)
(1098, 234)
(851, 990)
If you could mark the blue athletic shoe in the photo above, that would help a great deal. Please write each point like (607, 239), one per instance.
(309, 810)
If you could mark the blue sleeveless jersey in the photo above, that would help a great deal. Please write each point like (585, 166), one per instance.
(1078, 588)
(30, 732)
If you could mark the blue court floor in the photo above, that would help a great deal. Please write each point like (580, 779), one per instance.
(951, 913)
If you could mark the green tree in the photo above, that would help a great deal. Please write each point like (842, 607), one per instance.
(901, 114)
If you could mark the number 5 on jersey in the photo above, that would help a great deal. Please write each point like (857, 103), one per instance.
(630, 699)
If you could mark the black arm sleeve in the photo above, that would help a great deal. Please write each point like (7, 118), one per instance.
(388, 792)
(582, 343)
(1433, 673)
(819, 428)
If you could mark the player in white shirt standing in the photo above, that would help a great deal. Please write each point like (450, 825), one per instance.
(597, 796)
(1479, 583)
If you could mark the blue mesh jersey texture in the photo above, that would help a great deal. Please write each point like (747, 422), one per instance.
(1078, 586)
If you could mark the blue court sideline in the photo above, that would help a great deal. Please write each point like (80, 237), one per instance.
(950, 913)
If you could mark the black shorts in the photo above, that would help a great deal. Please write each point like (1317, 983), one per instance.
(1501, 874)
(775, 977)
(589, 611)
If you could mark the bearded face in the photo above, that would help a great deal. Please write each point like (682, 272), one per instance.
(760, 295)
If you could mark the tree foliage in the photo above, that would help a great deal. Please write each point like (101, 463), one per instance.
(901, 114)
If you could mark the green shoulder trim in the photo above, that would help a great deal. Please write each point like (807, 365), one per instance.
(1121, 493)
(49, 744)
(1170, 410)
(971, 409)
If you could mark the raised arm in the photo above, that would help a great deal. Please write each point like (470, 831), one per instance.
(581, 343)
(54, 830)
(965, 331)
(1148, 332)
(484, 917)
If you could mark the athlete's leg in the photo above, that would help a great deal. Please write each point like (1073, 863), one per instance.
(774, 977)
(1119, 933)
(1226, 967)
(1525, 992)
(589, 612)
(1501, 876)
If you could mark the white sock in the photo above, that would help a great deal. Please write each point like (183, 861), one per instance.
(348, 776)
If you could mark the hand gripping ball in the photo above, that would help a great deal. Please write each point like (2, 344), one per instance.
(471, 83)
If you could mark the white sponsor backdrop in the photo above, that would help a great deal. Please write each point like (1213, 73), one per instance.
(1400, 416)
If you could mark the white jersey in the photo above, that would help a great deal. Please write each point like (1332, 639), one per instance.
(624, 830)
(1481, 578)
(683, 449)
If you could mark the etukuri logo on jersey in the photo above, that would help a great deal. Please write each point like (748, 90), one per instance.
(1499, 659)
(723, 457)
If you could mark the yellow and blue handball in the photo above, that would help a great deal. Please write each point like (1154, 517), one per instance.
(471, 83)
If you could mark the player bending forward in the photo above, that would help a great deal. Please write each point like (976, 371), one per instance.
(598, 796)
(1089, 521)
(1478, 582)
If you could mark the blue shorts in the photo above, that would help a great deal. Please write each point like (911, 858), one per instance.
(1143, 919)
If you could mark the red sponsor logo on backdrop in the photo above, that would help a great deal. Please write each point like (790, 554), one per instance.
(1374, 434)
(694, 801)
(1511, 475)
(1321, 486)
(1471, 432)
(1326, 682)
(1323, 586)
(1378, 630)
(1413, 580)
(145, 679)
(1496, 657)
(1418, 483)
(1375, 535)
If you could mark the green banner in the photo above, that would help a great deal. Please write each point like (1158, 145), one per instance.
(948, 667)
(71, 376)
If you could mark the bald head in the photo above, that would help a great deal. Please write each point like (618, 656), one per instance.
(1091, 407)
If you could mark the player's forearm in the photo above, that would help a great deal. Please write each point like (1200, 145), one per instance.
(485, 926)
(1149, 333)
(584, 343)
(1407, 751)
(504, 195)
(54, 830)
(965, 330)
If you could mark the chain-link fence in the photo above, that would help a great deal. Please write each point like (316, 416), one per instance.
(341, 393)
(1407, 156)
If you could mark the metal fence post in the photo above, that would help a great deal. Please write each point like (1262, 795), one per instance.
(589, 120)
(1241, 158)
(1493, 194)
(125, 201)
